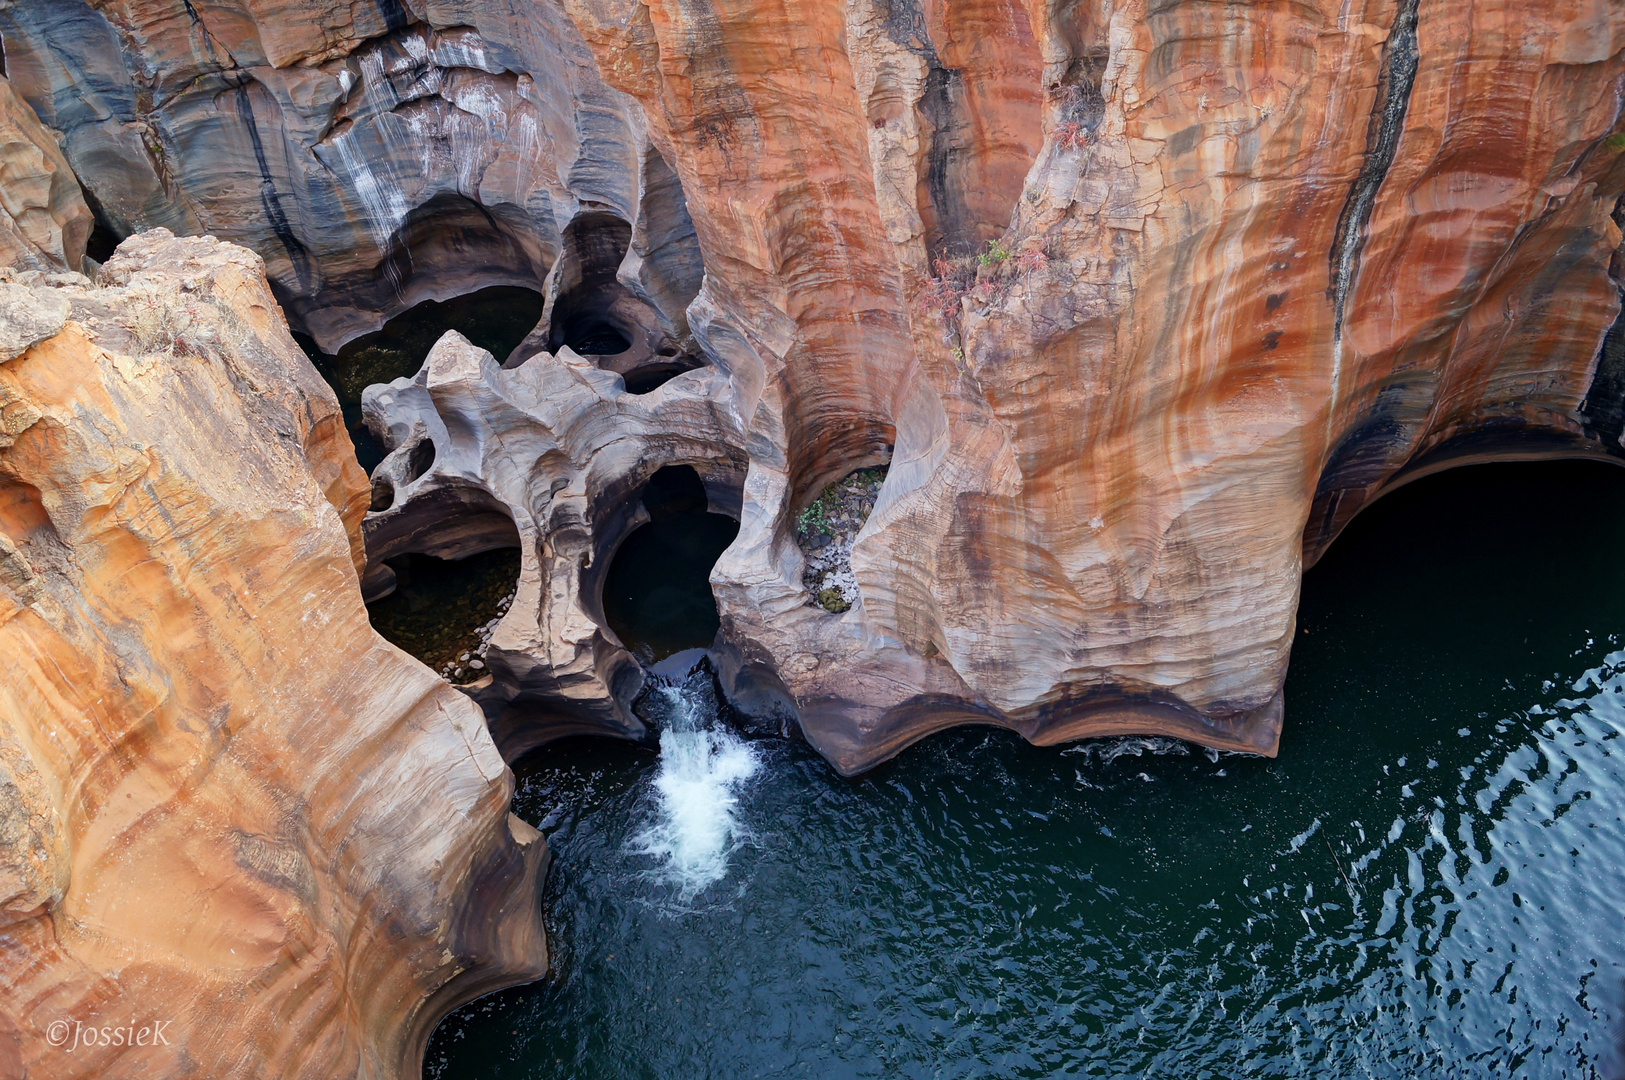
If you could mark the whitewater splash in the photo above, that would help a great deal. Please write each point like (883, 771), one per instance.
(702, 766)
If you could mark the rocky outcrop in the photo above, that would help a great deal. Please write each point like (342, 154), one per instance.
(1140, 301)
(1266, 261)
(44, 221)
(231, 816)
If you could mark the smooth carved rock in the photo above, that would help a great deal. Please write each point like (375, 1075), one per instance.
(1251, 265)
(225, 802)
(374, 160)
(547, 457)
(44, 221)
(1267, 261)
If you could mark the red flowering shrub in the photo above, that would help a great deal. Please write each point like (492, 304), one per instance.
(952, 279)
(1072, 135)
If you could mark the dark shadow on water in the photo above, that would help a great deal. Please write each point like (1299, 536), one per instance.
(657, 595)
(1509, 558)
(496, 319)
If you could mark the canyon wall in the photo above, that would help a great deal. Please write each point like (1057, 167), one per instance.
(1142, 302)
(233, 820)
(372, 158)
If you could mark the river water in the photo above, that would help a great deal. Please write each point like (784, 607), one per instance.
(1428, 882)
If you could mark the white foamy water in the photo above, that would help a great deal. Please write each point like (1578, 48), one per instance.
(702, 766)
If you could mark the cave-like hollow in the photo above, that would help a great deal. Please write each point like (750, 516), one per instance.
(657, 592)
(598, 317)
(440, 578)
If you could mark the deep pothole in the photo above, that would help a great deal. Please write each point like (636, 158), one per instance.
(598, 317)
(444, 611)
(657, 593)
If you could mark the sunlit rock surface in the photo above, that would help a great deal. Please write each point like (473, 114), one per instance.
(226, 805)
(1242, 266)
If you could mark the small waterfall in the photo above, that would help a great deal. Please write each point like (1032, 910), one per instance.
(702, 766)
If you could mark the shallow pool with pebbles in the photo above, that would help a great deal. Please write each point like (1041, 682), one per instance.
(469, 664)
(444, 613)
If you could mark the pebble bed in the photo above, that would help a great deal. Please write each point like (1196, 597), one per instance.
(469, 664)
(826, 530)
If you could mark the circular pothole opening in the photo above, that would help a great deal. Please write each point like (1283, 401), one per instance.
(657, 594)
(651, 377)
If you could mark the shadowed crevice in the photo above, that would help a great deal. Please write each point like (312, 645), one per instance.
(1604, 405)
(1382, 143)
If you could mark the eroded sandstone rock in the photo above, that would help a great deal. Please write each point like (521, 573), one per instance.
(44, 221)
(28, 317)
(226, 804)
(548, 457)
(1266, 261)
(373, 157)
(1141, 301)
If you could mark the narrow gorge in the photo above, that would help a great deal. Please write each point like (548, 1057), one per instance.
(396, 392)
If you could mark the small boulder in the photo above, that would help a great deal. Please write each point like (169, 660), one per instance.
(28, 317)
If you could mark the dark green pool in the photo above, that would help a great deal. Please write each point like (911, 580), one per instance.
(1428, 882)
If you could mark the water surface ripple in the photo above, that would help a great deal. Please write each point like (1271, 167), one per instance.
(1426, 883)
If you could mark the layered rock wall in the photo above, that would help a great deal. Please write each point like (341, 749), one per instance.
(229, 811)
(374, 158)
(1141, 301)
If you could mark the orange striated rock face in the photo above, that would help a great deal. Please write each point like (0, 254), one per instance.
(231, 816)
(1267, 260)
(1142, 302)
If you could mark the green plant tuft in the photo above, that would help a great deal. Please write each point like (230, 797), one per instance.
(996, 253)
(816, 516)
